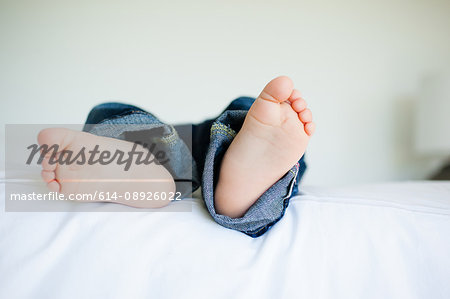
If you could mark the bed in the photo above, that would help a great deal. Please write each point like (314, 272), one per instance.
(388, 240)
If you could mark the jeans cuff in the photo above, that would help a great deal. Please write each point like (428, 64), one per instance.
(269, 208)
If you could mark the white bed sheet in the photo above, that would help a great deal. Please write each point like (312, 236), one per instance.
(374, 241)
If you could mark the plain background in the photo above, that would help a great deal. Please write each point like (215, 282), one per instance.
(359, 64)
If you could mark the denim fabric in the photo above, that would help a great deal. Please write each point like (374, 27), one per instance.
(203, 145)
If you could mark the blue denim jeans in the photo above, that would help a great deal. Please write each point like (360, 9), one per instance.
(196, 152)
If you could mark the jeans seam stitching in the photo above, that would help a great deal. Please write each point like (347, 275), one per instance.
(220, 128)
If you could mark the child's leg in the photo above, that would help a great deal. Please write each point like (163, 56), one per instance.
(129, 123)
(272, 139)
(102, 181)
(251, 164)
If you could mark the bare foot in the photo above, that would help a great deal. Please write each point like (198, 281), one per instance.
(273, 138)
(94, 178)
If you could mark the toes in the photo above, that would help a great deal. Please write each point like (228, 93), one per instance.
(305, 116)
(48, 164)
(53, 136)
(53, 186)
(310, 128)
(48, 176)
(299, 105)
(278, 90)
(295, 95)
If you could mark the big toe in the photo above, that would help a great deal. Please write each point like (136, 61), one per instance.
(267, 109)
(278, 90)
(53, 136)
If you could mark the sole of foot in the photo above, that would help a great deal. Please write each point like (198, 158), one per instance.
(94, 179)
(274, 136)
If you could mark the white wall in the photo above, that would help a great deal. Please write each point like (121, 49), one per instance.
(358, 64)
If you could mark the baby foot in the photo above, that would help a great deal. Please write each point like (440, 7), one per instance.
(272, 139)
(94, 178)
